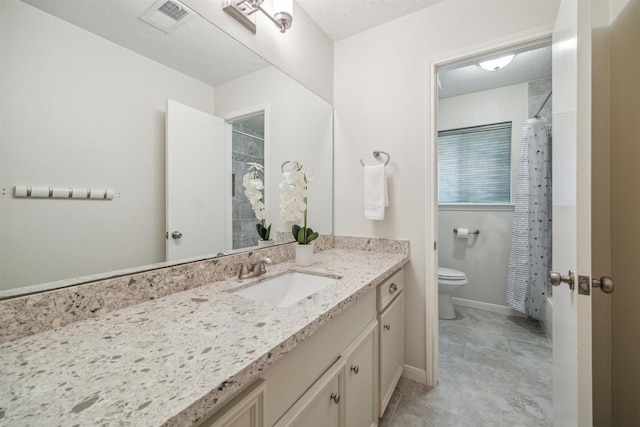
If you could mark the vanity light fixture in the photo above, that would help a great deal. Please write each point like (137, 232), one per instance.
(496, 64)
(241, 11)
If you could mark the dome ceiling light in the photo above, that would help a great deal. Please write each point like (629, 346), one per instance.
(496, 64)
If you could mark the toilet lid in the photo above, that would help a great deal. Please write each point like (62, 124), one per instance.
(451, 274)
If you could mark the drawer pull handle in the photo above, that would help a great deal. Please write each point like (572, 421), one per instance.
(392, 288)
(355, 369)
(387, 326)
(335, 397)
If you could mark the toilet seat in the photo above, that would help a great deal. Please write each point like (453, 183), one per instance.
(449, 276)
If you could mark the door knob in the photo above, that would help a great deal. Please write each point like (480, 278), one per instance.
(176, 235)
(556, 279)
(605, 283)
(335, 397)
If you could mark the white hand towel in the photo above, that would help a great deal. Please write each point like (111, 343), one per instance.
(376, 197)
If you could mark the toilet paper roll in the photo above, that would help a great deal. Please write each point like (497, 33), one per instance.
(463, 233)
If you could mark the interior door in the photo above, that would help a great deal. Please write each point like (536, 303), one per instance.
(572, 386)
(196, 200)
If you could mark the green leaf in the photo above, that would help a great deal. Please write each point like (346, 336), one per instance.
(302, 236)
(268, 233)
(295, 230)
(312, 237)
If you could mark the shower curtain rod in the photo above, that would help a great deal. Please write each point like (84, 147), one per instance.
(537, 116)
(249, 135)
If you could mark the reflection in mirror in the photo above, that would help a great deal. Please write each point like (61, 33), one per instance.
(247, 150)
(83, 103)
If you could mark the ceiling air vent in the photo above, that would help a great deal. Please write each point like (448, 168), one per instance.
(167, 15)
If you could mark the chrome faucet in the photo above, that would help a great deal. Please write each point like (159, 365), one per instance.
(257, 269)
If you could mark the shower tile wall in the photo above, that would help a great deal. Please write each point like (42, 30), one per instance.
(538, 91)
(245, 149)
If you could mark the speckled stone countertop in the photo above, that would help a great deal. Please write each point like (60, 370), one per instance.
(170, 361)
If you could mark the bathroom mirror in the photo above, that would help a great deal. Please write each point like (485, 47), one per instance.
(84, 93)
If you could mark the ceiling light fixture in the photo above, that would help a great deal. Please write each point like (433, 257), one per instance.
(496, 64)
(241, 11)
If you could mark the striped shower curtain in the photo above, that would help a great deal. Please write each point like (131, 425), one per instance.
(530, 250)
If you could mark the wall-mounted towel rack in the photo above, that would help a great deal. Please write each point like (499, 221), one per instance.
(376, 154)
(455, 230)
(29, 191)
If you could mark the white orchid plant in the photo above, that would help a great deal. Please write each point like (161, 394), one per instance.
(293, 200)
(253, 187)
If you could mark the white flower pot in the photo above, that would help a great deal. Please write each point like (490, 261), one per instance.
(265, 243)
(304, 255)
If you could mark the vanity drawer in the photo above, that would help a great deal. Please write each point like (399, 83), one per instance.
(388, 289)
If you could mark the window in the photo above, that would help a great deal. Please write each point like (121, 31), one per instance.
(474, 164)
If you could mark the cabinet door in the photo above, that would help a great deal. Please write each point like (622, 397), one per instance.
(245, 410)
(361, 379)
(391, 326)
(322, 405)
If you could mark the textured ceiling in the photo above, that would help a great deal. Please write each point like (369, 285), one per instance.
(343, 18)
(468, 78)
(194, 48)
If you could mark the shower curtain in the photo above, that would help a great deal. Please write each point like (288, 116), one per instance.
(530, 250)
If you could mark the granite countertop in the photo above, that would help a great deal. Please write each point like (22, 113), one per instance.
(170, 361)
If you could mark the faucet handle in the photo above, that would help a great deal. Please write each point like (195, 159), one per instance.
(259, 267)
(242, 270)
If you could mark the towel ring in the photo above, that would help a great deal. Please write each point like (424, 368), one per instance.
(376, 154)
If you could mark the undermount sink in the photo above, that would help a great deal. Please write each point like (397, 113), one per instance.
(285, 290)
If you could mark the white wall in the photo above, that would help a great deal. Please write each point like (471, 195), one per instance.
(483, 258)
(293, 129)
(77, 110)
(380, 103)
(304, 52)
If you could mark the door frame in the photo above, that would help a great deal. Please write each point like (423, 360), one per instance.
(537, 36)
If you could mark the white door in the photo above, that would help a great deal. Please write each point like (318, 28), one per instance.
(572, 389)
(195, 190)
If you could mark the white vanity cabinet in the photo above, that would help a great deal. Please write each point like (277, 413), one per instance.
(391, 336)
(346, 394)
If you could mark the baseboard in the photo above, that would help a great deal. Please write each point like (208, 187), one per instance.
(414, 374)
(495, 308)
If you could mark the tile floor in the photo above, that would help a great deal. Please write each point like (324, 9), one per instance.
(495, 370)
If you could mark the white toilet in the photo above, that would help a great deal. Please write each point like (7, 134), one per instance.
(449, 281)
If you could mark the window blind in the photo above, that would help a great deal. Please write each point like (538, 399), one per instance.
(474, 164)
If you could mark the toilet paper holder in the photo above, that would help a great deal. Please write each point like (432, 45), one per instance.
(455, 230)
